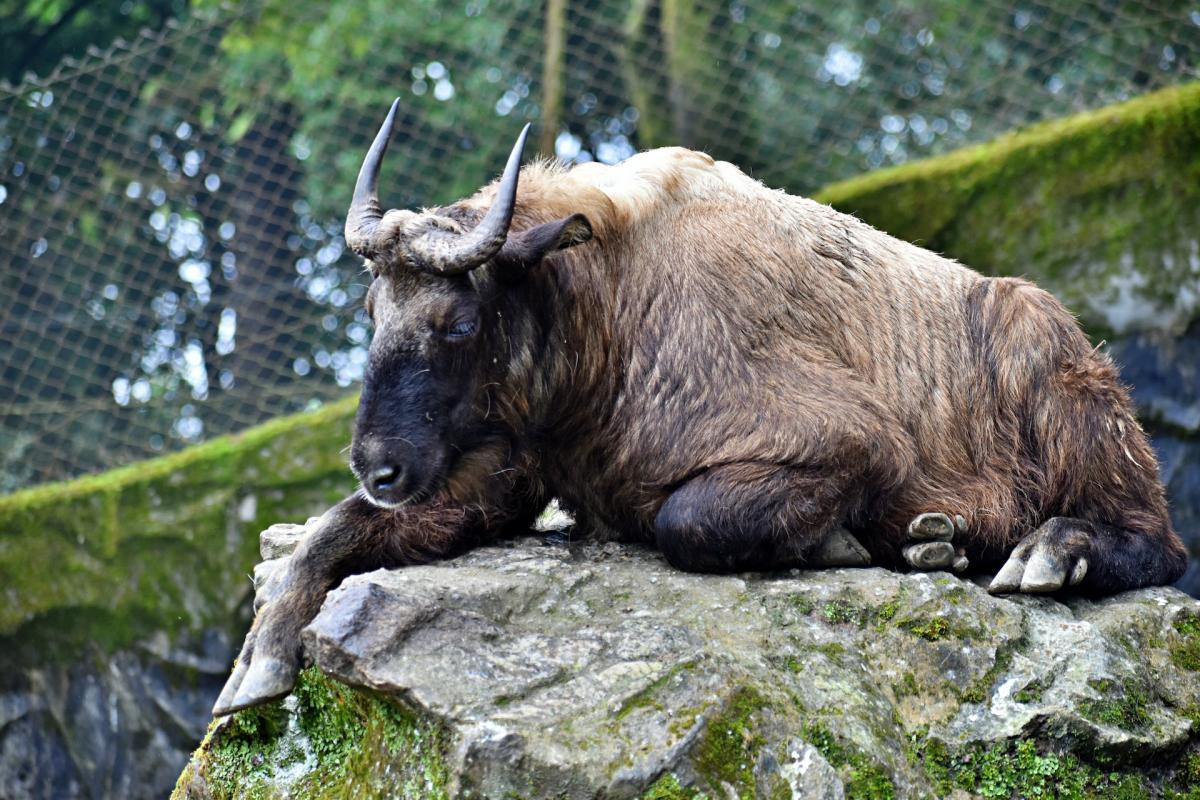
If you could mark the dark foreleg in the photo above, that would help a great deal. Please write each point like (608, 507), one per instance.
(352, 537)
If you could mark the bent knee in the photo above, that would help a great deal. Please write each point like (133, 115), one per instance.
(684, 537)
(694, 540)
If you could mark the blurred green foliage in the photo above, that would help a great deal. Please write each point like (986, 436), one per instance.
(37, 35)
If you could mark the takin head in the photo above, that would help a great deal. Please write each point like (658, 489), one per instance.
(441, 302)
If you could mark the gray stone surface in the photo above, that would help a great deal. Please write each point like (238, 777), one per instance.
(596, 670)
(117, 725)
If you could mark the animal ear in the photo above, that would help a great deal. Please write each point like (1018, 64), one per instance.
(525, 250)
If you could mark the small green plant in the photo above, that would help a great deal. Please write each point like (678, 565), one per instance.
(727, 751)
(1030, 692)
(668, 788)
(1185, 648)
(931, 629)
(1120, 705)
(862, 777)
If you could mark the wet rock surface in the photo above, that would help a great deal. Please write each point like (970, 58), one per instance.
(596, 670)
(108, 725)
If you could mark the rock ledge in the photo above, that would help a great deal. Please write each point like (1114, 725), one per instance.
(596, 670)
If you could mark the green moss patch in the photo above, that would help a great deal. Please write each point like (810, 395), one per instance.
(1021, 770)
(329, 742)
(648, 697)
(839, 613)
(888, 610)
(668, 788)
(1030, 692)
(730, 744)
(846, 611)
(1185, 645)
(1120, 705)
(907, 686)
(931, 629)
(1185, 783)
(862, 777)
(99, 559)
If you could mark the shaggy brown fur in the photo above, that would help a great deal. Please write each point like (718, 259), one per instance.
(728, 372)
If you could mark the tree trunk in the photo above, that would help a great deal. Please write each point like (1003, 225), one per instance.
(552, 74)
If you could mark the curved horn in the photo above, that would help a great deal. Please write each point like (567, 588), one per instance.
(459, 254)
(363, 217)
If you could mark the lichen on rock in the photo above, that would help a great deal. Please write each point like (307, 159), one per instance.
(596, 670)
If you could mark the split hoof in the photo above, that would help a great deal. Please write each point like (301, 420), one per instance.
(930, 543)
(931, 527)
(1051, 558)
(1041, 575)
(930, 555)
(267, 679)
(224, 704)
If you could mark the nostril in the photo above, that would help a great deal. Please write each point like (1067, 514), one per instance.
(384, 478)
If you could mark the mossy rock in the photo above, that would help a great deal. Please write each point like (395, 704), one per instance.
(527, 679)
(324, 742)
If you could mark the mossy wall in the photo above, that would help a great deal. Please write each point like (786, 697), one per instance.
(164, 545)
(1103, 209)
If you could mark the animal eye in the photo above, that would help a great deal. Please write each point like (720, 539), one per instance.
(461, 329)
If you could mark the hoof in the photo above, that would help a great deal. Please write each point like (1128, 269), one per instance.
(1008, 579)
(930, 555)
(1051, 558)
(929, 543)
(224, 702)
(840, 549)
(267, 679)
(1042, 574)
(932, 527)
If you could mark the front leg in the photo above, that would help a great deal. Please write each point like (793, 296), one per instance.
(352, 537)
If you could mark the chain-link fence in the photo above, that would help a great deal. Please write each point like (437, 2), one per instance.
(171, 261)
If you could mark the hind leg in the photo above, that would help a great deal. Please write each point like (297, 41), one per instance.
(751, 516)
(1097, 558)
